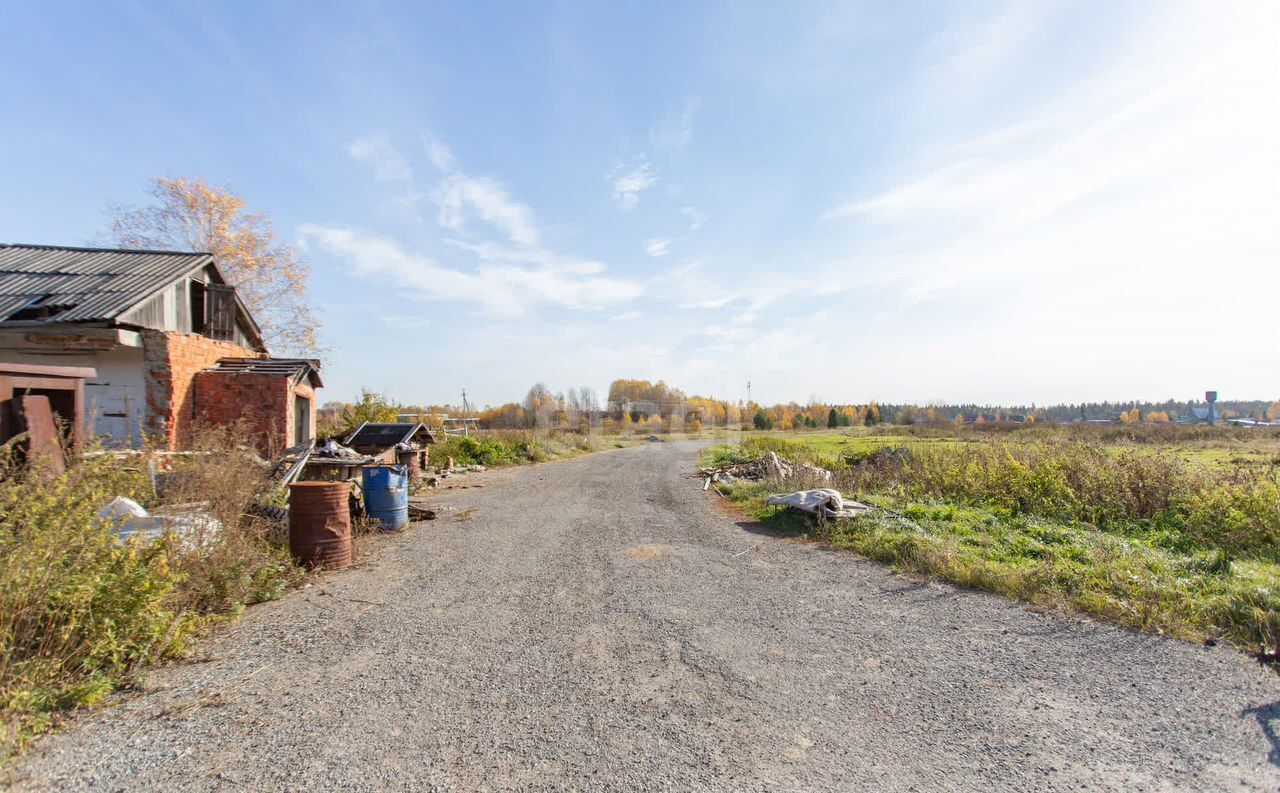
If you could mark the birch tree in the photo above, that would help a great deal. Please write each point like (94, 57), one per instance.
(268, 274)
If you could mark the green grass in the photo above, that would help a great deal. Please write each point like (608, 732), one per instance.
(1142, 536)
(496, 448)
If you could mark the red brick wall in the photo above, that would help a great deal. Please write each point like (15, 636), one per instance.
(262, 402)
(172, 361)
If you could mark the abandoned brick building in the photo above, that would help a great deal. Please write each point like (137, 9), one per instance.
(172, 344)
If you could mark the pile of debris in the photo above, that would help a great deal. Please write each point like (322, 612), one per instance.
(336, 451)
(452, 469)
(771, 467)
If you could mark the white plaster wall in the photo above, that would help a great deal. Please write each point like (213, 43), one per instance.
(115, 402)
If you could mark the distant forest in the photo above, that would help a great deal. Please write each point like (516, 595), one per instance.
(642, 404)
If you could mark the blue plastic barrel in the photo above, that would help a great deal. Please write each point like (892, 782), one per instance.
(386, 495)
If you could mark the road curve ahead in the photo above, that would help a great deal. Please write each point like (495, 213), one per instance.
(599, 624)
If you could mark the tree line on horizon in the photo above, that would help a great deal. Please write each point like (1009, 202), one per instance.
(643, 405)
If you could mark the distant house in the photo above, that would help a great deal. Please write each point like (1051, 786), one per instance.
(169, 340)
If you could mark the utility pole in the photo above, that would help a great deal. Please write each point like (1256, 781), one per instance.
(748, 394)
(466, 412)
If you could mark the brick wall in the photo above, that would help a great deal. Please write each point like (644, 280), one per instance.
(172, 362)
(262, 403)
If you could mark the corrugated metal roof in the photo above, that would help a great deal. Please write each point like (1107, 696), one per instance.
(283, 367)
(93, 284)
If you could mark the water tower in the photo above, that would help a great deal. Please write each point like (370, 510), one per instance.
(1212, 397)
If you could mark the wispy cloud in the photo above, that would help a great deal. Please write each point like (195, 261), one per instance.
(495, 252)
(674, 132)
(970, 56)
(504, 290)
(690, 285)
(461, 197)
(696, 217)
(661, 246)
(377, 151)
(1139, 175)
(404, 322)
(439, 154)
(657, 247)
(510, 276)
(630, 182)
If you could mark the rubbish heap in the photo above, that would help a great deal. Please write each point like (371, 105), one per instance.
(770, 467)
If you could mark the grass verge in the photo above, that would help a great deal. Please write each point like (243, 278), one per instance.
(495, 448)
(1144, 540)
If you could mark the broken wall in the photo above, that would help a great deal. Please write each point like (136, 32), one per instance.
(264, 403)
(173, 360)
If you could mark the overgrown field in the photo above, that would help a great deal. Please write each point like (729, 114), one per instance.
(80, 612)
(492, 448)
(1174, 530)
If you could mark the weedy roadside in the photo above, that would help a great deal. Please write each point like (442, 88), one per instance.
(1138, 536)
(81, 611)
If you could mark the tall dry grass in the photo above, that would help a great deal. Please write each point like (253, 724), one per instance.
(80, 611)
(1118, 490)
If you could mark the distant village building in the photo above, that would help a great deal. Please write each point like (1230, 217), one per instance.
(171, 343)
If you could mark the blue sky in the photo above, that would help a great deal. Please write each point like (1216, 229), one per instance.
(1007, 202)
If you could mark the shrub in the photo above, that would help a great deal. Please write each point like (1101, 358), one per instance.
(80, 611)
(77, 609)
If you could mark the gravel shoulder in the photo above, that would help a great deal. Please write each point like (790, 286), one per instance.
(599, 623)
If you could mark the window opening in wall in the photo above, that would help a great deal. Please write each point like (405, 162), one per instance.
(220, 312)
(197, 307)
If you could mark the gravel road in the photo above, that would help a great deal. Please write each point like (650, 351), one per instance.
(601, 624)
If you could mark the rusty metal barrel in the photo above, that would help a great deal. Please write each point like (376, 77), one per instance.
(320, 524)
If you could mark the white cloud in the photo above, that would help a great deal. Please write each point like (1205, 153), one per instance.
(658, 246)
(1137, 178)
(971, 56)
(661, 246)
(708, 302)
(674, 132)
(696, 217)
(494, 252)
(377, 151)
(691, 286)
(460, 196)
(404, 322)
(503, 290)
(439, 154)
(627, 316)
(628, 184)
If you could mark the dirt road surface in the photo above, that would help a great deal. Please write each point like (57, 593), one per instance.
(599, 624)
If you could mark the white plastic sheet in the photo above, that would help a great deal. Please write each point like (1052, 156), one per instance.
(824, 501)
(126, 518)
